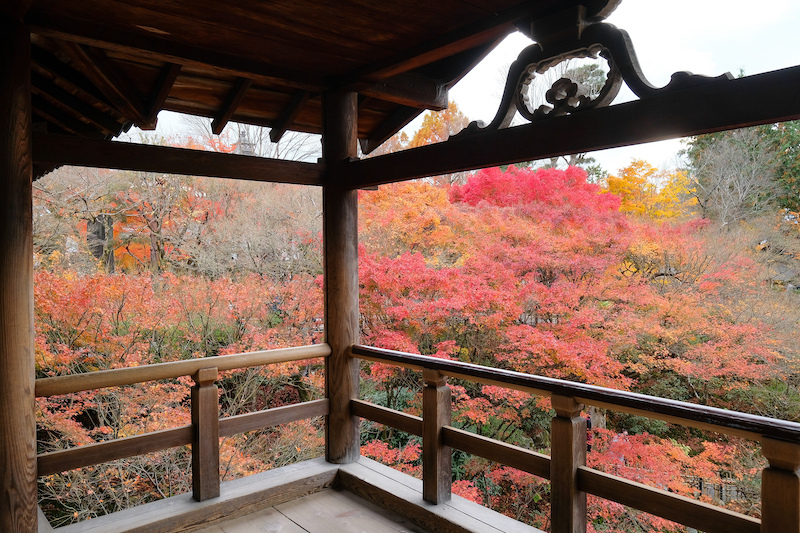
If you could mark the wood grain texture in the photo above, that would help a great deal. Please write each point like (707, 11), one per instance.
(388, 417)
(65, 150)
(205, 440)
(748, 101)
(272, 417)
(232, 102)
(684, 413)
(568, 453)
(102, 452)
(340, 242)
(780, 487)
(402, 494)
(18, 509)
(681, 509)
(128, 376)
(437, 471)
(241, 496)
(500, 452)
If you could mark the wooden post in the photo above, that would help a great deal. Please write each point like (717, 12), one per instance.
(780, 487)
(568, 452)
(205, 444)
(437, 472)
(18, 507)
(340, 240)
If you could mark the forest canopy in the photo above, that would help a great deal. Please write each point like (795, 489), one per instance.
(651, 280)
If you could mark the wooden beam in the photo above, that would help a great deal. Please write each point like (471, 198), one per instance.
(75, 82)
(288, 115)
(726, 104)
(114, 85)
(388, 417)
(161, 49)
(73, 105)
(229, 106)
(675, 507)
(499, 452)
(744, 425)
(340, 244)
(412, 90)
(276, 416)
(470, 36)
(101, 452)
(118, 377)
(166, 79)
(18, 507)
(56, 116)
(66, 150)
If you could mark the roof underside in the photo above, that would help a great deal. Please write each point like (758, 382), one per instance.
(100, 66)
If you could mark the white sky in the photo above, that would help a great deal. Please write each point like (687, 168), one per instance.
(708, 37)
(702, 36)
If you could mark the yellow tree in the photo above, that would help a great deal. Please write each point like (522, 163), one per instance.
(646, 191)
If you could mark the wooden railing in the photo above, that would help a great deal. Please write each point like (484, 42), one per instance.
(206, 428)
(566, 468)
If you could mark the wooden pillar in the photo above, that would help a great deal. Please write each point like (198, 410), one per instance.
(17, 361)
(568, 452)
(437, 474)
(205, 444)
(780, 487)
(340, 241)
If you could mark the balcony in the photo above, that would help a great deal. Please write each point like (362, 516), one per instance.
(371, 489)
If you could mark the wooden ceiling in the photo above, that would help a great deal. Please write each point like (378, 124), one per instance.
(100, 66)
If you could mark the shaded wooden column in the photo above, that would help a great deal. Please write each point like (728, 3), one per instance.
(205, 443)
(17, 363)
(568, 452)
(340, 242)
(780, 487)
(437, 472)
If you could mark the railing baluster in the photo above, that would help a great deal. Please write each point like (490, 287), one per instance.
(780, 487)
(205, 445)
(568, 452)
(436, 457)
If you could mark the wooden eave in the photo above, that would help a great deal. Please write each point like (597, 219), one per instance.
(262, 63)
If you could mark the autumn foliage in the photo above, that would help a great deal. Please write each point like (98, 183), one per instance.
(536, 271)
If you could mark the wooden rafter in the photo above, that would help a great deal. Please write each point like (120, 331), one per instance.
(727, 104)
(72, 104)
(470, 36)
(232, 102)
(67, 150)
(288, 115)
(412, 90)
(69, 78)
(61, 118)
(166, 79)
(113, 84)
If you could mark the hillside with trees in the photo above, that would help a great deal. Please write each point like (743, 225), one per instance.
(680, 284)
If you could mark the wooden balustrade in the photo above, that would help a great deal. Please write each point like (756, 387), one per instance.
(570, 479)
(206, 428)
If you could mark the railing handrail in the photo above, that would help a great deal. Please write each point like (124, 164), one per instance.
(128, 376)
(699, 416)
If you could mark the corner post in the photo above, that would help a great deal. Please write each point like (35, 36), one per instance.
(780, 487)
(340, 242)
(437, 472)
(568, 452)
(205, 444)
(18, 509)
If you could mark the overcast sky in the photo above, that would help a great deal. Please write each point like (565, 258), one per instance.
(708, 37)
